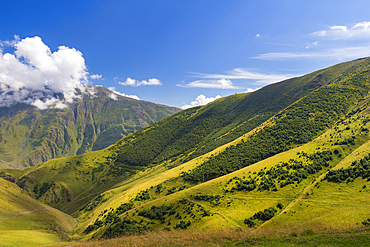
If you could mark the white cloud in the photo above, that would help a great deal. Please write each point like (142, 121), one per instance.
(42, 105)
(201, 100)
(309, 45)
(216, 84)
(96, 77)
(358, 31)
(258, 35)
(251, 90)
(135, 83)
(337, 53)
(240, 73)
(115, 93)
(35, 75)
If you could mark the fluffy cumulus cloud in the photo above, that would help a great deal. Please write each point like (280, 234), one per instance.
(200, 100)
(135, 83)
(114, 94)
(96, 77)
(35, 75)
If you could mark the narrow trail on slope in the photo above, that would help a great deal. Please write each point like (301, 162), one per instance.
(312, 184)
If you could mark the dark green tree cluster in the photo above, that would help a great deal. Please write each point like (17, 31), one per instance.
(213, 199)
(347, 141)
(357, 169)
(111, 218)
(366, 222)
(264, 215)
(159, 188)
(93, 204)
(158, 212)
(97, 224)
(108, 219)
(207, 198)
(183, 225)
(297, 124)
(124, 207)
(39, 192)
(124, 227)
(283, 174)
(142, 195)
(171, 190)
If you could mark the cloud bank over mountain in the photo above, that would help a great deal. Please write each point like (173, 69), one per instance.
(200, 100)
(35, 75)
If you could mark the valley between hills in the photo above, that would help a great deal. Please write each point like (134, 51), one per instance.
(287, 165)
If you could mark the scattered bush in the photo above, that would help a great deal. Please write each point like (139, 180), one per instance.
(249, 222)
(357, 169)
(182, 225)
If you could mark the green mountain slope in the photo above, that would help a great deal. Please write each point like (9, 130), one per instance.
(265, 160)
(261, 189)
(27, 222)
(29, 136)
(286, 192)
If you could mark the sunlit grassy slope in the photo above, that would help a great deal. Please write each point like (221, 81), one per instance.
(27, 222)
(300, 210)
(164, 200)
(261, 161)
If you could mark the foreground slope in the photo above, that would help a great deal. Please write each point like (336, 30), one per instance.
(27, 222)
(29, 136)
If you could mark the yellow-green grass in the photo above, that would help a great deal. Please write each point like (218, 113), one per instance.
(236, 206)
(231, 237)
(327, 205)
(29, 238)
(127, 190)
(4, 165)
(22, 216)
(73, 174)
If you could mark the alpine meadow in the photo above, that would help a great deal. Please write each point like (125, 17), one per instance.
(285, 165)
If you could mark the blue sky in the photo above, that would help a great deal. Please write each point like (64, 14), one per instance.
(174, 52)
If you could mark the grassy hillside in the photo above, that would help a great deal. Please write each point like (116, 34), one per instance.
(227, 237)
(249, 196)
(27, 222)
(200, 130)
(29, 136)
(264, 161)
(230, 202)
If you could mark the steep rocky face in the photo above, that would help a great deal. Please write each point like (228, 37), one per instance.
(29, 136)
